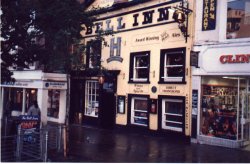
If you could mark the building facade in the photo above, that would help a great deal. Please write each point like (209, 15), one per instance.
(147, 73)
(221, 76)
(48, 89)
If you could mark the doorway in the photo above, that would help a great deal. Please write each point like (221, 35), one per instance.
(245, 117)
(108, 103)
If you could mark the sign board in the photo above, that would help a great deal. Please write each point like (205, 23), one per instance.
(55, 85)
(209, 15)
(135, 19)
(194, 102)
(139, 88)
(194, 59)
(121, 104)
(172, 90)
(230, 59)
(23, 84)
(30, 124)
(168, 35)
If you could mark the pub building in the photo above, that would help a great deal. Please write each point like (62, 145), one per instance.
(145, 80)
(48, 89)
(221, 74)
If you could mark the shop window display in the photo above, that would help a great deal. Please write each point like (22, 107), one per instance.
(31, 96)
(13, 101)
(53, 103)
(219, 111)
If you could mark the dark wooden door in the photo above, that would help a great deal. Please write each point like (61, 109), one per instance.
(108, 101)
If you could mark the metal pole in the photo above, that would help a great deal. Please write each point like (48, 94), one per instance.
(45, 147)
(65, 141)
(18, 144)
(238, 108)
(59, 139)
(24, 101)
(5, 125)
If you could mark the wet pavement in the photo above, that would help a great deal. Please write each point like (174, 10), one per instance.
(88, 144)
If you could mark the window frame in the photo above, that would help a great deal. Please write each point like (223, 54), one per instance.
(89, 51)
(133, 67)
(131, 110)
(175, 117)
(88, 99)
(163, 78)
(224, 30)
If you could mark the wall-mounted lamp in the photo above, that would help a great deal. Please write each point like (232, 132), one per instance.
(180, 15)
(101, 77)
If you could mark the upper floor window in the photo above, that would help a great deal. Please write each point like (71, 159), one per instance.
(238, 19)
(94, 54)
(139, 67)
(172, 67)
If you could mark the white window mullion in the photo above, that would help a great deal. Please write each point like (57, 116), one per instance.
(169, 124)
(91, 98)
(134, 110)
(167, 65)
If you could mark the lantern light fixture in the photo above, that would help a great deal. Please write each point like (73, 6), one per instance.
(180, 15)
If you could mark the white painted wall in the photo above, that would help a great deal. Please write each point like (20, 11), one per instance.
(42, 99)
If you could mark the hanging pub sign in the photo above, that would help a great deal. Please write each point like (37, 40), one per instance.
(209, 15)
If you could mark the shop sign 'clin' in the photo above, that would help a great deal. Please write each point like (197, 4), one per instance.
(239, 58)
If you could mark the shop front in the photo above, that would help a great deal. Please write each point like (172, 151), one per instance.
(222, 84)
(148, 56)
(48, 89)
